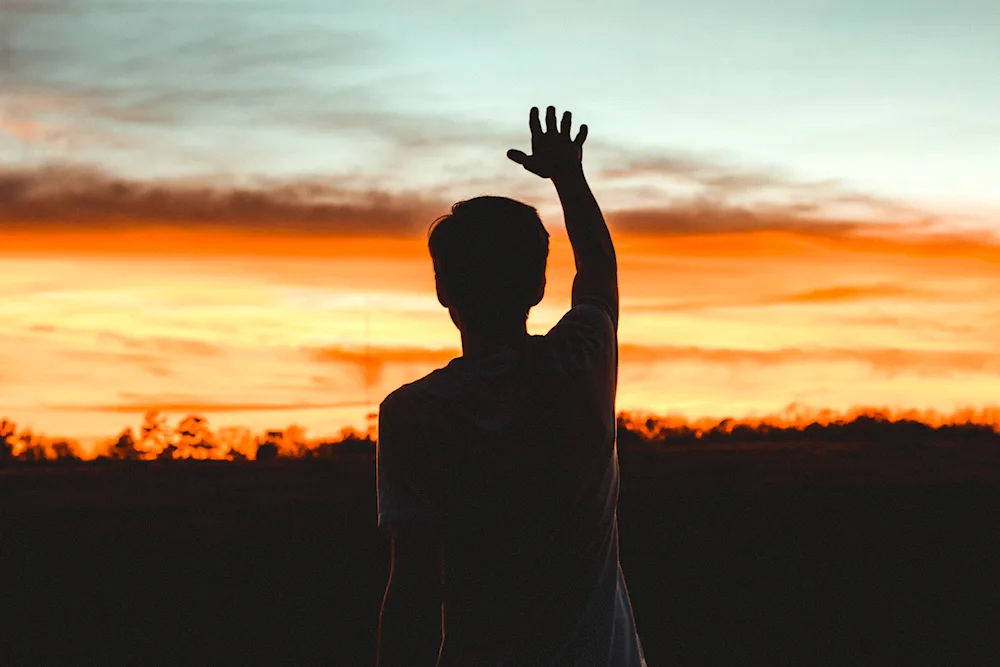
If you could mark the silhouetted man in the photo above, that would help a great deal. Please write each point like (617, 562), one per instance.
(498, 474)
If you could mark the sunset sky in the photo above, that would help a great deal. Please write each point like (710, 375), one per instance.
(221, 206)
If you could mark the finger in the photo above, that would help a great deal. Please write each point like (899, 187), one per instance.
(526, 161)
(533, 122)
(517, 156)
(550, 119)
(567, 122)
(581, 136)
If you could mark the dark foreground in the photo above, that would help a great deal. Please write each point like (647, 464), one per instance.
(848, 556)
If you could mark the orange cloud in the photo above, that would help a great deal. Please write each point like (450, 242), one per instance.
(201, 407)
(824, 295)
(891, 361)
(153, 364)
(167, 346)
(842, 293)
(29, 130)
(774, 244)
(372, 361)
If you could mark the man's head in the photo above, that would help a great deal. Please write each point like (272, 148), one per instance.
(489, 258)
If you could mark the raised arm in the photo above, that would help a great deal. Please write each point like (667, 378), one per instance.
(557, 156)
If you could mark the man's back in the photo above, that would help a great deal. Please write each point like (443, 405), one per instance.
(512, 455)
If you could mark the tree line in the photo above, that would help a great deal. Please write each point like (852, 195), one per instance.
(192, 437)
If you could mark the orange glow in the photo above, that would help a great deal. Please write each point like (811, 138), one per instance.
(256, 329)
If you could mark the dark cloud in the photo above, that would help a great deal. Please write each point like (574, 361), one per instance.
(74, 197)
(63, 197)
(715, 217)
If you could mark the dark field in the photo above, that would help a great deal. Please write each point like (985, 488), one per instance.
(851, 555)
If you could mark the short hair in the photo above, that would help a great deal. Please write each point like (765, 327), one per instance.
(489, 255)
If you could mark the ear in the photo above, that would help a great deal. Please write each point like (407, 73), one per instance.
(538, 295)
(441, 294)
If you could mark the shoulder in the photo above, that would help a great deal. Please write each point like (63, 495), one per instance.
(585, 339)
(590, 313)
(590, 318)
(399, 408)
(414, 398)
(397, 401)
(398, 426)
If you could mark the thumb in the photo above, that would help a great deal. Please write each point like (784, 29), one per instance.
(517, 156)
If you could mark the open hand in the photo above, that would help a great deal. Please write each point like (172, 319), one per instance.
(553, 152)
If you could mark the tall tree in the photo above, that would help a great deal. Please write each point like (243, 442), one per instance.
(124, 448)
(7, 431)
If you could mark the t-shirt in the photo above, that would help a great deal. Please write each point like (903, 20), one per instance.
(512, 455)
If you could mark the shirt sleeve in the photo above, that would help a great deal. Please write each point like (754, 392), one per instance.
(600, 304)
(586, 338)
(400, 470)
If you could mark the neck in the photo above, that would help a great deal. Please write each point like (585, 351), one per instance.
(477, 344)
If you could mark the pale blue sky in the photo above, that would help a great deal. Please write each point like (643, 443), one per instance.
(900, 100)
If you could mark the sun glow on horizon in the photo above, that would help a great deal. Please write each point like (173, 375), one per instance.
(273, 330)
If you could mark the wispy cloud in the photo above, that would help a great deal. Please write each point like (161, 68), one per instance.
(237, 90)
(28, 130)
(371, 362)
(694, 194)
(889, 361)
(885, 360)
(832, 295)
(154, 364)
(844, 293)
(192, 59)
(165, 346)
(196, 406)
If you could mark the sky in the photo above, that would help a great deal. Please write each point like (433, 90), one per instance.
(221, 206)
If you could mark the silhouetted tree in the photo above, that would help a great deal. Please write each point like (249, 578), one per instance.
(64, 451)
(873, 428)
(352, 442)
(167, 453)
(268, 446)
(124, 448)
(31, 448)
(7, 431)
